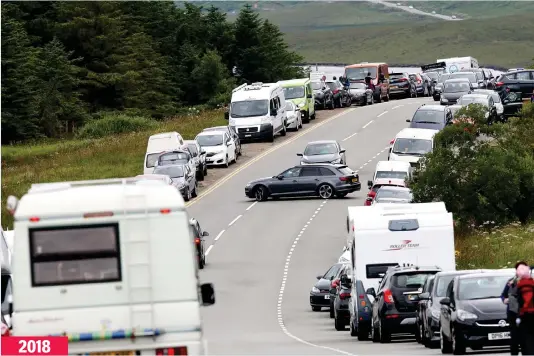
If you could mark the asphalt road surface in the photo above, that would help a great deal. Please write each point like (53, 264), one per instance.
(263, 257)
(414, 10)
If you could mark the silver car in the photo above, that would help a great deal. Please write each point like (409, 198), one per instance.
(182, 177)
(294, 116)
(393, 195)
(199, 157)
(327, 151)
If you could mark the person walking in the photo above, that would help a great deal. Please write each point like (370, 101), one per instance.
(525, 321)
(509, 297)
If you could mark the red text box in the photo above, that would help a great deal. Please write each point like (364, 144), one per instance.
(35, 345)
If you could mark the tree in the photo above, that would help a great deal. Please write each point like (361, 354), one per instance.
(211, 79)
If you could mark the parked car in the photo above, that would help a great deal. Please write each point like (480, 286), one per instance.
(182, 156)
(434, 117)
(320, 292)
(335, 283)
(430, 80)
(294, 116)
(198, 236)
(379, 183)
(342, 299)
(421, 87)
(326, 151)
(466, 75)
(438, 87)
(484, 100)
(230, 130)
(515, 88)
(219, 146)
(393, 195)
(161, 177)
(324, 98)
(401, 84)
(199, 157)
(496, 100)
(183, 178)
(453, 89)
(361, 94)
(481, 76)
(341, 93)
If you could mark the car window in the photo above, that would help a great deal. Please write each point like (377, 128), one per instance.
(345, 170)
(326, 172)
(316, 85)
(332, 271)
(481, 287)
(396, 76)
(291, 172)
(332, 85)
(411, 280)
(443, 283)
(412, 146)
(310, 172)
(393, 194)
(456, 87)
(171, 171)
(294, 92)
(391, 174)
(193, 149)
(428, 116)
(523, 75)
(320, 149)
(290, 106)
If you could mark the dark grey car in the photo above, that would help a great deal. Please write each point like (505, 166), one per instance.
(327, 151)
(361, 94)
(434, 117)
(323, 180)
(453, 89)
(182, 178)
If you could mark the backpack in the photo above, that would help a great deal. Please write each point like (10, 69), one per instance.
(525, 294)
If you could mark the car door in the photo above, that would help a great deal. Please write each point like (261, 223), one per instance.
(423, 304)
(235, 137)
(308, 180)
(287, 184)
(309, 98)
(189, 178)
(230, 145)
(446, 311)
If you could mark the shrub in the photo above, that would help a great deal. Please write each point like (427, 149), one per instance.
(112, 124)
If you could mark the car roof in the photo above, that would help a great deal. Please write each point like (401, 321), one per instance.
(192, 142)
(417, 133)
(335, 165)
(214, 132)
(215, 128)
(392, 164)
(456, 80)
(410, 269)
(460, 272)
(476, 95)
(320, 142)
(171, 165)
(392, 187)
(432, 108)
(364, 65)
(488, 273)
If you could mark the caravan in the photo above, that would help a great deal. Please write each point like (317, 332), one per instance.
(387, 236)
(96, 261)
(258, 111)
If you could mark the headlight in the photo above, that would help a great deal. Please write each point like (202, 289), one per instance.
(444, 99)
(435, 313)
(463, 315)
(315, 290)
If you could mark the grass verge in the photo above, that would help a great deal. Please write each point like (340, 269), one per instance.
(70, 160)
(500, 247)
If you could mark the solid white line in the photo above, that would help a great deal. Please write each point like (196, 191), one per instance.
(367, 124)
(208, 250)
(346, 138)
(395, 107)
(220, 234)
(251, 205)
(385, 112)
(233, 221)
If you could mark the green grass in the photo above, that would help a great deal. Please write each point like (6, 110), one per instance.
(495, 248)
(506, 43)
(70, 160)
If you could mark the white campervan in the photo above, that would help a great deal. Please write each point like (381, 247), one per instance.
(456, 64)
(258, 111)
(158, 144)
(411, 144)
(98, 261)
(392, 170)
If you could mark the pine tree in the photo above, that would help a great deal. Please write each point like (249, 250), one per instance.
(249, 58)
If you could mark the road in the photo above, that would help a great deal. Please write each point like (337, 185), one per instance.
(263, 257)
(413, 10)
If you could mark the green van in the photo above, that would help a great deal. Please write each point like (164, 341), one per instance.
(300, 92)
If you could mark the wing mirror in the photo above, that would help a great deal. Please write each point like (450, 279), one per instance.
(11, 204)
(309, 96)
(342, 151)
(408, 120)
(371, 291)
(370, 184)
(205, 233)
(345, 281)
(202, 152)
(319, 276)
(208, 294)
(280, 177)
(300, 154)
(445, 301)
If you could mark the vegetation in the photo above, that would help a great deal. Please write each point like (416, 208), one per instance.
(64, 63)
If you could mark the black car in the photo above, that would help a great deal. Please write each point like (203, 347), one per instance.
(484, 100)
(401, 84)
(198, 236)
(324, 98)
(472, 77)
(182, 177)
(324, 180)
(341, 93)
(320, 292)
(429, 309)
(514, 88)
(473, 314)
(335, 286)
(453, 89)
(342, 300)
(434, 117)
(395, 304)
(361, 94)
(230, 130)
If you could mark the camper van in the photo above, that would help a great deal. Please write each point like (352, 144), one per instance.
(300, 93)
(386, 236)
(410, 145)
(96, 261)
(456, 64)
(258, 111)
(157, 144)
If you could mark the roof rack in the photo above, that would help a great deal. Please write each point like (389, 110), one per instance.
(239, 87)
(58, 186)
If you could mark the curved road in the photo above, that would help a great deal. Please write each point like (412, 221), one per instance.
(265, 255)
(414, 10)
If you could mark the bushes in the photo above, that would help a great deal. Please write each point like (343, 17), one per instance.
(482, 178)
(112, 124)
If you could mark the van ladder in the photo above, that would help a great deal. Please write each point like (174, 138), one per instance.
(138, 261)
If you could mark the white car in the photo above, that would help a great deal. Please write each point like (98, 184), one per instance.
(496, 99)
(411, 7)
(294, 116)
(219, 147)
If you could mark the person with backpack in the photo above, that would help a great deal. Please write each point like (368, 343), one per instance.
(509, 297)
(525, 320)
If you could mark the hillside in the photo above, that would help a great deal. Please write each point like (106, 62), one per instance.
(475, 9)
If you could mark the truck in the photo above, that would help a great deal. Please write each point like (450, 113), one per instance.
(456, 64)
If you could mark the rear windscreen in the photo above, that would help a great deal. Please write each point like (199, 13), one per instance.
(75, 255)
(411, 280)
(378, 270)
(346, 171)
(151, 159)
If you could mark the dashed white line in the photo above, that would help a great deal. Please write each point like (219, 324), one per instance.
(348, 137)
(251, 205)
(208, 250)
(219, 235)
(369, 123)
(385, 112)
(396, 107)
(233, 221)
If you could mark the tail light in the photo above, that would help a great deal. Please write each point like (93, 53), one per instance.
(182, 350)
(344, 295)
(371, 194)
(388, 297)
(336, 91)
(334, 284)
(498, 84)
(345, 179)
(403, 80)
(5, 330)
(197, 241)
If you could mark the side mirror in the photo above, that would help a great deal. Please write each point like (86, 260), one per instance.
(280, 177)
(424, 296)
(342, 151)
(408, 120)
(309, 96)
(324, 88)
(370, 184)
(371, 291)
(227, 115)
(445, 301)
(202, 152)
(208, 294)
(319, 276)
(345, 281)
(11, 204)
(205, 233)
(300, 154)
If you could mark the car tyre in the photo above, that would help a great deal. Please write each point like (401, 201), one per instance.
(325, 191)
(338, 324)
(353, 330)
(387, 97)
(375, 333)
(385, 335)
(284, 129)
(458, 344)
(363, 334)
(200, 175)
(316, 309)
(312, 117)
(261, 193)
(271, 137)
(418, 332)
(332, 313)
(194, 192)
(187, 195)
(205, 169)
(445, 345)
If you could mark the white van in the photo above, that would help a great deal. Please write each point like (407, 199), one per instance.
(411, 144)
(158, 144)
(258, 111)
(110, 263)
(392, 170)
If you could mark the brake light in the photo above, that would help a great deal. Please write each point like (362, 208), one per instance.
(197, 241)
(361, 296)
(344, 295)
(336, 91)
(498, 84)
(35, 219)
(98, 215)
(344, 179)
(165, 211)
(371, 194)
(334, 284)
(182, 350)
(388, 297)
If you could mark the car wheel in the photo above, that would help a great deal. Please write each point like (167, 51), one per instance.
(339, 325)
(445, 345)
(187, 195)
(332, 314)
(325, 191)
(363, 334)
(418, 331)
(353, 330)
(261, 193)
(458, 344)
(194, 192)
(332, 105)
(312, 117)
(235, 158)
(284, 129)
(271, 137)
(385, 336)
(205, 169)
(316, 309)
(200, 175)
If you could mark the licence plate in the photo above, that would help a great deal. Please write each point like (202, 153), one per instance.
(114, 353)
(499, 336)
(393, 87)
(327, 296)
(248, 135)
(354, 180)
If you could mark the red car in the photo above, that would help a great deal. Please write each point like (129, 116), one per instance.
(378, 183)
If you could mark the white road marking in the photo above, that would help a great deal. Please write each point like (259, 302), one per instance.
(219, 236)
(251, 205)
(348, 137)
(396, 107)
(369, 123)
(233, 221)
(385, 112)
(208, 250)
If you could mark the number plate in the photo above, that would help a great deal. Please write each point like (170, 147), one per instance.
(499, 336)
(354, 180)
(248, 135)
(327, 296)
(393, 87)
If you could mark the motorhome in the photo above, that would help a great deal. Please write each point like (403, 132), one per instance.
(157, 144)
(391, 170)
(410, 145)
(300, 93)
(258, 111)
(456, 64)
(95, 261)
(388, 236)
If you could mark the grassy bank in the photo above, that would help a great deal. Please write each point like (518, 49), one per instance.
(110, 157)
(495, 248)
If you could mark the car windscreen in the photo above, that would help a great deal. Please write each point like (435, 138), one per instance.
(290, 106)
(473, 100)
(360, 73)
(358, 86)
(209, 140)
(485, 287)
(391, 174)
(411, 279)
(294, 92)
(151, 159)
(249, 108)
(171, 157)
(193, 149)
(320, 149)
(378, 270)
(346, 171)
(396, 76)
(332, 85)
(456, 87)
(443, 283)
(386, 194)
(171, 171)
(442, 78)
(412, 146)
(470, 76)
(429, 117)
(317, 85)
